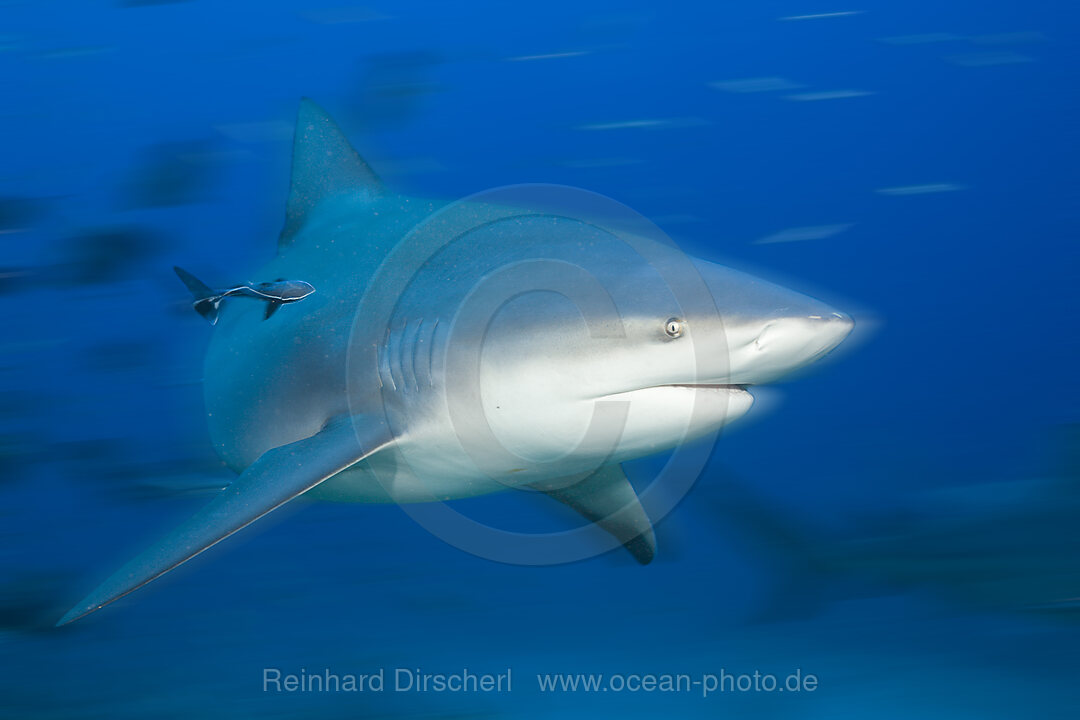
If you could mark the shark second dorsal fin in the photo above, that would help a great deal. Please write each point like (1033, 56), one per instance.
(324, 165)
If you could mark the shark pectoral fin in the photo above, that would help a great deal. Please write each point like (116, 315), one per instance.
(608, 499)
(271, 308)
(278, 476)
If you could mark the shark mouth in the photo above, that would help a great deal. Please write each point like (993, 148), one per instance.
(717, 387)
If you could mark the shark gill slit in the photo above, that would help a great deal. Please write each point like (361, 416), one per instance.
(378, 365)
(431, 354)
(384, 362)
(408, 355)
(395, 359)
(414, 351)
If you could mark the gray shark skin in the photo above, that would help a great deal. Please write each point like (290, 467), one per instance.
(517, 349)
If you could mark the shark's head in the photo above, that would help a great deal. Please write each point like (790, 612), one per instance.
(655, 354)
(760, 331)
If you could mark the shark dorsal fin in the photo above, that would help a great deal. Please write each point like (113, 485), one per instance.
(324, 165)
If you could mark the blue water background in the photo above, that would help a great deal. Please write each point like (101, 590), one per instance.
(963, 370)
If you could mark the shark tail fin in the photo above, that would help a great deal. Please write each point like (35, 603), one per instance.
(207, 302)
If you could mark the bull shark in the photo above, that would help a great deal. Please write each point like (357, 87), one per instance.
(456, 350)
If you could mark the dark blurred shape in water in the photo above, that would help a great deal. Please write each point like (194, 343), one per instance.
(14, 279)
(109, 466)
(105, 255)
(140, 482)
(119, 356)
(20, 213)
(29, 601)
(172, 173)
(18, 451)
(20, 447)
(91, 457)
(391, 87)
(16, 405)
(999, 546)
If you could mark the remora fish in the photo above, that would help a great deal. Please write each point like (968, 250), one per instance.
(208, 302)
(427, 370)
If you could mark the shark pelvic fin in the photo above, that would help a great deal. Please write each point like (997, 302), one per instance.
(608, 499)
(324, 164)
(278, 476)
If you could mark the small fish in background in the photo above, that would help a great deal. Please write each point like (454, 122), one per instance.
(813, 232)
(756, 85)
(924, 189)
(276, 293)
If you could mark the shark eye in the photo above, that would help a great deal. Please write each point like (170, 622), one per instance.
(673, 327)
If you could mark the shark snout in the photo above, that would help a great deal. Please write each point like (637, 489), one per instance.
(784, 344)
(813, 333)
(767, 330)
